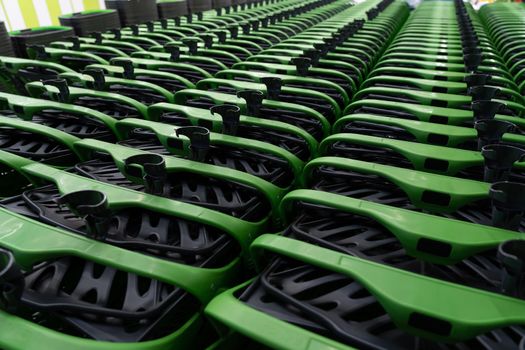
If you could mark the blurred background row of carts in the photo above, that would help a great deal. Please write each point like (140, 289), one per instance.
(276, 174)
